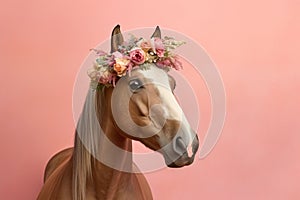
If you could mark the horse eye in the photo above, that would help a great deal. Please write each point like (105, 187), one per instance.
(135, 84)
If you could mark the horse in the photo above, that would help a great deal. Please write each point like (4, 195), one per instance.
(151, 115)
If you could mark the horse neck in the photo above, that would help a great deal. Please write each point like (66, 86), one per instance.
(107, 178)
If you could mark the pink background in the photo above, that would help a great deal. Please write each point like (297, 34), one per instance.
(255, 45)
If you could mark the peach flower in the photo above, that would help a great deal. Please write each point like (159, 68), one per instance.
(121, 66)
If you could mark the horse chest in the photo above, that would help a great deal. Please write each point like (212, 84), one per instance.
(128, 187)
(135, 188)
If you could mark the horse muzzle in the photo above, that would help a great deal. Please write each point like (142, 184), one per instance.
(181, 154)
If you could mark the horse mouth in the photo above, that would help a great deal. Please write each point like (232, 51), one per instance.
(174, 165)
(182, 161)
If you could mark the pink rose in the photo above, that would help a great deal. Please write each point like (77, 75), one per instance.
(144, 44)
(137, 55)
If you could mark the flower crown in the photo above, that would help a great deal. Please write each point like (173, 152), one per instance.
(136, 52)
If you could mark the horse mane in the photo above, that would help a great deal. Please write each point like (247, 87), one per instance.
(86, 142)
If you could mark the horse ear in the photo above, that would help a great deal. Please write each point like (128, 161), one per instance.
(116, 39)
(156, 33)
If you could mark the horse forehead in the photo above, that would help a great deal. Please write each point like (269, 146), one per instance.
(155, 76)
(160, 79)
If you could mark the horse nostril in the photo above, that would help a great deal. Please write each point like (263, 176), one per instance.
(180, 146)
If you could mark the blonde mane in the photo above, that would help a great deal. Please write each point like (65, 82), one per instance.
(86, 142)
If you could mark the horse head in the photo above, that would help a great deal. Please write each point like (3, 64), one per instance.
(145, 109)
